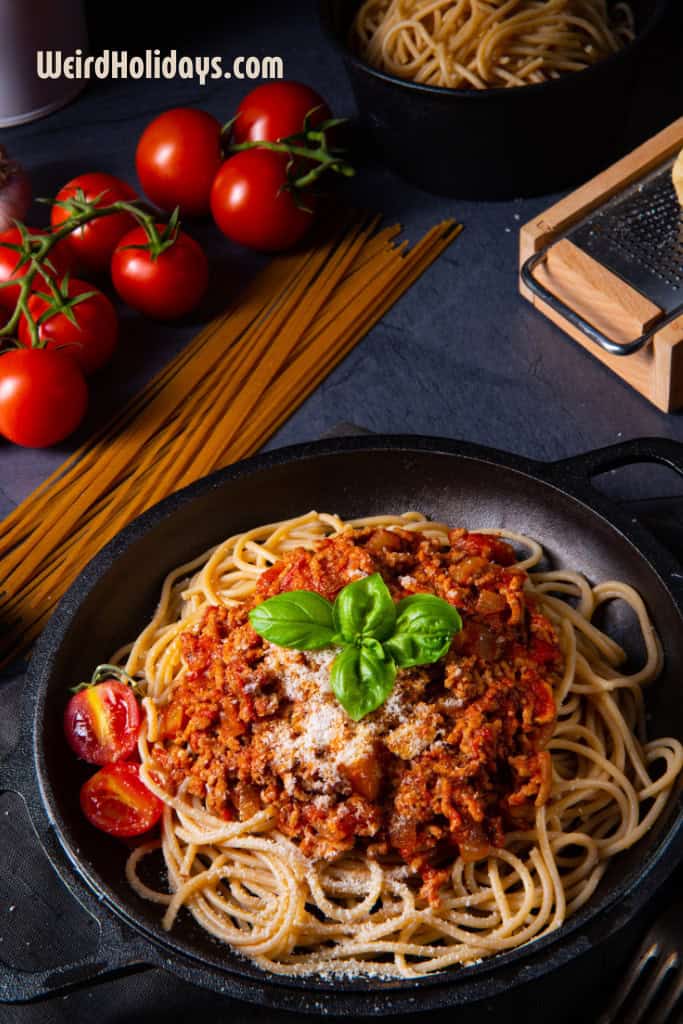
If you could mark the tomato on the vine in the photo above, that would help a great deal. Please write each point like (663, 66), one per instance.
(277, 110)
(43, 396)
(10, 270)
(163, 286)
(86, 331)
(92, 244)
(252, 204)
(116, 800)
(177, 158)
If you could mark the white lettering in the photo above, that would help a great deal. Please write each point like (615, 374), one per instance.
(49, 63)
(272, 67)
(102, 65)
(202, 66)
(169, 65)
(136, 67)
(185, 68)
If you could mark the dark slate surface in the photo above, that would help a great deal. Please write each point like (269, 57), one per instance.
(460, 355)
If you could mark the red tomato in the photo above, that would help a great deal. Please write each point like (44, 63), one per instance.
(90, 341)
(43, 396)
(9, 258)
(163, 288)
(116, 800)
(92, 244)
(101, 724)
(177, 158)
(276, 110)
(250, 205)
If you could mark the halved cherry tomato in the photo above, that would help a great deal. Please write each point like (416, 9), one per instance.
(164, 287)
(277, 110)
(101, 723)
(92, 244)
(59, 257)
(91, 340)
(252, 206)
(177, 158)
(116, 800)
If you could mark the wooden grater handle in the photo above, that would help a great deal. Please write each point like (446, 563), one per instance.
(599, 295)
(608, 310)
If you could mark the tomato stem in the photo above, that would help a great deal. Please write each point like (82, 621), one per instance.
(310, 145)
(35, 251)
(107, 672)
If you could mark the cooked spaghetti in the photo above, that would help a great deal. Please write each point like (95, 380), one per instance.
(480, 44)
(475, 810)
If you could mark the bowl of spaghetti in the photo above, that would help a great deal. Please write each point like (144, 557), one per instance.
(469, 773)
(492, 99)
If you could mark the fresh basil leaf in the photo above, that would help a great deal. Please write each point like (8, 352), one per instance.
(365, 609)
(299, 618)
(368, 643)
(426, 613)
(425, 626)
(407, 650)
(361, 681)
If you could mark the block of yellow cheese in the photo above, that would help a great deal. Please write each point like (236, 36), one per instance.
(677, 175)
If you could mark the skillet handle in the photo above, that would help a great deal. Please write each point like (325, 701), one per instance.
(628, 453)
(119, 949)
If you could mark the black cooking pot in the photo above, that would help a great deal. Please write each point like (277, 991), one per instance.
(495, 143)
(112, 599)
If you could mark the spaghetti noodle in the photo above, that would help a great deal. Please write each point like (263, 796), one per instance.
(248, 881)
(479, 44)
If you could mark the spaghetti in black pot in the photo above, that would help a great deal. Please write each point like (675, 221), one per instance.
(495, 143)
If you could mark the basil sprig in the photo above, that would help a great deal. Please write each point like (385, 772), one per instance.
(376, 635)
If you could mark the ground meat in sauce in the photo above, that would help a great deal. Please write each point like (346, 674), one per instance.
(447, 765)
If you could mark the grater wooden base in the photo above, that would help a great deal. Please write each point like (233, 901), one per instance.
(600, 296)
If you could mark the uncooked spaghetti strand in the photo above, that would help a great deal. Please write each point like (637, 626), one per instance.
(291, 381)
(279, 347)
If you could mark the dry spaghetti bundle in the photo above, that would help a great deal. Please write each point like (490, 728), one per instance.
(462, 44)
(218, 401)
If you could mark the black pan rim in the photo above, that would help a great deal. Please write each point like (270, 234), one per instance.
(585, 76)
(658, 559)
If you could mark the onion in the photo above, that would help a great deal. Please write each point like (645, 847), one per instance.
(15, 192)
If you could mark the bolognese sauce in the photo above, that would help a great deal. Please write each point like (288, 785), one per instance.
(451, 761)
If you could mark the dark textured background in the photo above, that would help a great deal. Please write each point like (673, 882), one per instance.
(460, 355)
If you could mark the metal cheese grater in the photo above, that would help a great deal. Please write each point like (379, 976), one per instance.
(638, 235)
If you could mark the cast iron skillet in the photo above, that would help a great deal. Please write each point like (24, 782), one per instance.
(448, 480)
(496, 143)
